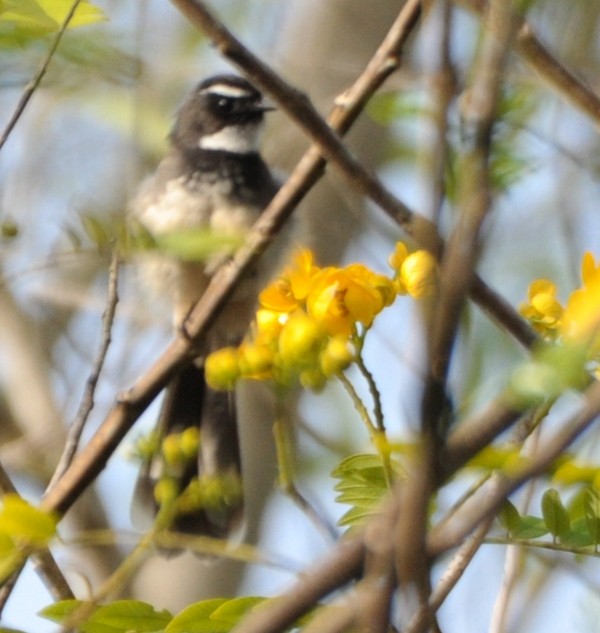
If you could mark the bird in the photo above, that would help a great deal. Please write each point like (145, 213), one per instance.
(212, 177)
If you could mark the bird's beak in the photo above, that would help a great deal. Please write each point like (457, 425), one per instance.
(265, 107)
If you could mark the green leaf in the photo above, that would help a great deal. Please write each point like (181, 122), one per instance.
(234, 610)
(510, 518)
(530, 527)
(60, 611)
(127, 616)
(362, 484)
(579, 535)
(40, 17)
(197, 619)
(197, 244)
(11, 556)
(555, 515)
(121, 616)
(24, 523)
(591, 504)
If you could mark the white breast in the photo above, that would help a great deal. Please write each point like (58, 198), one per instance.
(179, 208)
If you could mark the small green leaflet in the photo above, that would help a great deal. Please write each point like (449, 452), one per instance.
(122, 616)
(212, 616)
(25, 524)
(555, 515)
(591, 504)
(197, 244)
(22, 528)
(362, 485)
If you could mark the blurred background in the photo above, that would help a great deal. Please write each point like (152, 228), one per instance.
(99, 123)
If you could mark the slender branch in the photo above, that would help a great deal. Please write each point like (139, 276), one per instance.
(375, 434)
(374, 391)
(283, 436)
(462, 249)
(453, 573)
(339, 568)
(568, 431)
(33, 85)
(87, 402)
(558, 76)
(43, 560)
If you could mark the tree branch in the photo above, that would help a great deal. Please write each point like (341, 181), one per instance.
(541, 60)
(43, 560)
(87, 402)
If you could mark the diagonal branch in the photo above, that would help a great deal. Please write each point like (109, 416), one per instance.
(557, 75)
(43, 560)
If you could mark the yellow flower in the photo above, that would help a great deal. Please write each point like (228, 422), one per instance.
(338, 299)
(269, 324)
(581, 317)
(221, 368)
(544, 311)
(300, 340)
(397, 258)
(589, 270)
(337, 356)
(289, 290)
(255, 360)
(417, 274)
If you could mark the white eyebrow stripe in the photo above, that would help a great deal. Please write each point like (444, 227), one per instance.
(224, 90)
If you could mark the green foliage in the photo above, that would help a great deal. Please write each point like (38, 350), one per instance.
(555, 515)
(551, 370)
(592, 514)
(570, 530)
(36, 18)
(105, 232)
(362, 484)
(197, 244)
(212, 616)
(23, 529)
(132, 616)
(507, 164)
(122, 616)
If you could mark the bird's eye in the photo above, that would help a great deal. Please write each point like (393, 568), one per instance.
(224, 104)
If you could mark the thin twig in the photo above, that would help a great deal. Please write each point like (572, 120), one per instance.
(453, 573)
(340, 567)
(567, 85)
(412, 563)
(87, 401)
(568, 431)
(43, 560)
(283, 435)
(374, 391)
(32, 86)
(373, 431)
(462, 249)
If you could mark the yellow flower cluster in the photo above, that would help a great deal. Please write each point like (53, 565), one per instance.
(310, 320)
(178, 451)
(577, 322)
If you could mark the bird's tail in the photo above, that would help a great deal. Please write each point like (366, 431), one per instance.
(197, 461)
